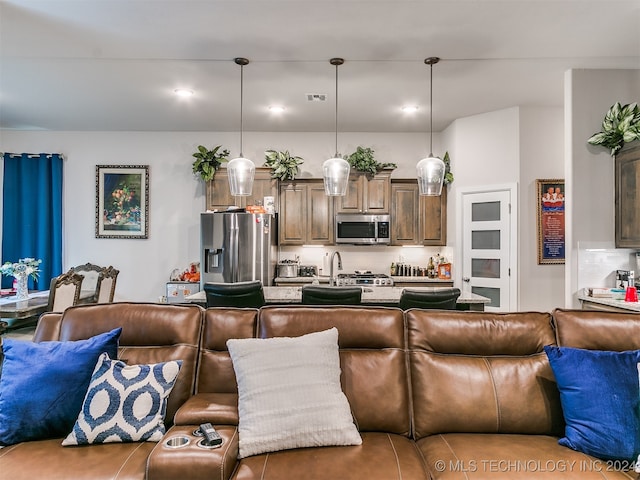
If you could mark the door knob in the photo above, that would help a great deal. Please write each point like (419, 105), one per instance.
(466, 279)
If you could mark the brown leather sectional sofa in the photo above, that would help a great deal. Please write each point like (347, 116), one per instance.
(435, 394)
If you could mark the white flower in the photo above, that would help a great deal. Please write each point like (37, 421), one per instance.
(24, 266)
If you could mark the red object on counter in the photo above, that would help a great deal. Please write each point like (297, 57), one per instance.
(631, 294)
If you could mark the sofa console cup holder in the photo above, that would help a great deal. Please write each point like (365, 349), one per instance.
(201, 443)
(177, 442)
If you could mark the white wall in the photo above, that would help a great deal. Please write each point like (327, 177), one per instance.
(590, 169)
(176, 196)
(541, 156)
(515, 145)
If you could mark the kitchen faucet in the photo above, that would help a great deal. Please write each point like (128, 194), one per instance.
(332, 281)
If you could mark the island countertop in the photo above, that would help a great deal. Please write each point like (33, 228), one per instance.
(600, 303)
(370, 295)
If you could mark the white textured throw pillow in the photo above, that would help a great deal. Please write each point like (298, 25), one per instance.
(290, 394)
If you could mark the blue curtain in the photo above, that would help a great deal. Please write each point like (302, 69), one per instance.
(32, 214)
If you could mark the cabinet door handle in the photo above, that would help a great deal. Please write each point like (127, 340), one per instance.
(466, 279)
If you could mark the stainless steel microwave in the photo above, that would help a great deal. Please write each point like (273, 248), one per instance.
(362, 229)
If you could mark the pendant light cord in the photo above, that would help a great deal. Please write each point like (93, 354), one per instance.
(241, 104)
(336, 111)
(431, 110)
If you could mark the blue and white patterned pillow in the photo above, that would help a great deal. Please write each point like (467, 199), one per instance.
(124, 403)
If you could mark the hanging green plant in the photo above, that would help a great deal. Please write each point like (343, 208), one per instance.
(208, 161)
(363, 160)
(448, 176)
(621, 124)
(283, 165)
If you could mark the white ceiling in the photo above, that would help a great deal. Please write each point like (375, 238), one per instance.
(113, 64)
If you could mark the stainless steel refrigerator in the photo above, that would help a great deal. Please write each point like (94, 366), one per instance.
(237, 247)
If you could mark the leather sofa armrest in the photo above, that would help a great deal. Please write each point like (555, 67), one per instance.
(192, 461)
(215, 408)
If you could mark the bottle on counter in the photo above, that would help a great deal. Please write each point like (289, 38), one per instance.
(431, 268)
(393, 269)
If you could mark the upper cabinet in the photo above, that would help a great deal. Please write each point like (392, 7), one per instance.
(219, 196)
(416, 219)
(405, 228)
(433, 218)
(366, 194)
(306, 213)
(627, 195)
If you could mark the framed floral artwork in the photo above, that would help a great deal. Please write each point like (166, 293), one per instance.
(122, 201)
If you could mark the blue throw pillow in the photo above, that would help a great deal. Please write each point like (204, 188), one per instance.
(43, 385)
(600, 398)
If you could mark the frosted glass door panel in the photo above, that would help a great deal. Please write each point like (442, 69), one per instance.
(485, 240)
(485, 267)
(492, 293)
(485, 212)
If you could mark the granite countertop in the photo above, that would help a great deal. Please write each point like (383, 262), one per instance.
(631, 306)
(370, 295)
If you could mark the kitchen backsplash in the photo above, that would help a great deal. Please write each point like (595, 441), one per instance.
(377, 259)
(598, 262)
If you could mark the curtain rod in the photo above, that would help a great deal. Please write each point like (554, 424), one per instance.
(31, 155)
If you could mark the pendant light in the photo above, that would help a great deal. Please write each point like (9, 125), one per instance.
(431, 169)
(241, 170)
(335, 171)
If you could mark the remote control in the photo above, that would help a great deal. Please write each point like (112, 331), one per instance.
(211, 437)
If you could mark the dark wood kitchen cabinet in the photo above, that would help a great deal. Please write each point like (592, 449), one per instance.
(405, 213)
(306, 214)
(416, 219)
(219, 195)
(366, 194)
(627, 197)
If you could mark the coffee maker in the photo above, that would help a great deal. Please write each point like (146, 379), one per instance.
(625, 278)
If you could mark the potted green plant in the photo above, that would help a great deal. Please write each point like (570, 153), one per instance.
(621, 124)
(448, 176)
(363, 160)
(283, 165)
(207, 162)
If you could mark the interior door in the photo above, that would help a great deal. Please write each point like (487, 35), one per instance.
(487, 248)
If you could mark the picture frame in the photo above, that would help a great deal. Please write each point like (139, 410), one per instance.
(550, 217)
(122, 201)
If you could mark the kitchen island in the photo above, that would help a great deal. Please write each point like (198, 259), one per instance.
(607, 304)
(385, 296)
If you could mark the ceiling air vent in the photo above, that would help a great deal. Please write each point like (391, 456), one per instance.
(316, 97)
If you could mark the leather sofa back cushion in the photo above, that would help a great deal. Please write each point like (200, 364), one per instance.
(372, 357)
(215, 373)
(480, 333)
(482, 372)
(475, 394)
(597, 330)
(151, 333)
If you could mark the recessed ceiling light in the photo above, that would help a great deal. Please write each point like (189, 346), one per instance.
(276, 109)
(183, 92)
(410, 109)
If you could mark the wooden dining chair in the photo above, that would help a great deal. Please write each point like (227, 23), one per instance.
(107, 285)
(91, 274)
(64, 291)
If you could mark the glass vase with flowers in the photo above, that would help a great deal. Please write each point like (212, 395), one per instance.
(21, 271)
